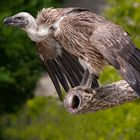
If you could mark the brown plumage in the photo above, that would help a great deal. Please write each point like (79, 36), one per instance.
(63, 67)
(97, 42)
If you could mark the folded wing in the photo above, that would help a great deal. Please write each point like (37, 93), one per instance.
(64, 69)
(116, 46)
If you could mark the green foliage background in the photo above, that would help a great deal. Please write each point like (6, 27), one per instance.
(19, 66)
(44, 118)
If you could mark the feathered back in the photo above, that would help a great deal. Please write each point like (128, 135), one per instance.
(50, 15)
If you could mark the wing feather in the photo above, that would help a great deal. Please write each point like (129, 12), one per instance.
(63, 68)
(54, 78)
(60, 75)
(116, 46)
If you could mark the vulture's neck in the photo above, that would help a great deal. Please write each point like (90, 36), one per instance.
(37, 33)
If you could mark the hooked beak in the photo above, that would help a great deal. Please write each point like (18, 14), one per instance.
(8, 21)
(13, 21)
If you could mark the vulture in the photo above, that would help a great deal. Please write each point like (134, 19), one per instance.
(62, 67)
(95, 41)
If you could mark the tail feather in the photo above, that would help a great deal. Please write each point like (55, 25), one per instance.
(131, 73)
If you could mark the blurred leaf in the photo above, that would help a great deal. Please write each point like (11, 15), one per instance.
(44, 118)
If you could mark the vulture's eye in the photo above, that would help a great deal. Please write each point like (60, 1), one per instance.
(52, 28)
(19, 18)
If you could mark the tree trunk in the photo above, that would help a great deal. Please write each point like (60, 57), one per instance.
(81, 100)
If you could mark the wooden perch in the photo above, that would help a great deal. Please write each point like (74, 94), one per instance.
(81, 100)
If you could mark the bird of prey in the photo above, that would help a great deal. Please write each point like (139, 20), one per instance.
(94, 40)
(63, 67)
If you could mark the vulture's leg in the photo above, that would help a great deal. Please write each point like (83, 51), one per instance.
(89, 80)
(85, 77)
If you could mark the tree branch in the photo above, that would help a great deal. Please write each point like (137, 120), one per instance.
(81, 100)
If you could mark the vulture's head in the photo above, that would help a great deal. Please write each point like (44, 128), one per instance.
(37, 29)
(22, 20)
